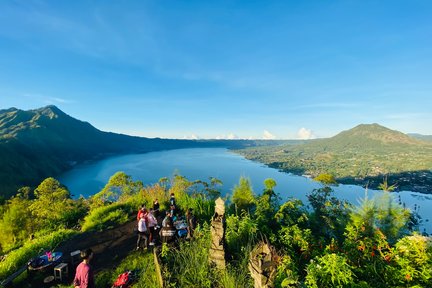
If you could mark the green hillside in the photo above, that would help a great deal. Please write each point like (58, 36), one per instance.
(45, 142)
(361, 154)
(39, 143)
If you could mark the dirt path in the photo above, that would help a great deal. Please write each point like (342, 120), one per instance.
(109, 246)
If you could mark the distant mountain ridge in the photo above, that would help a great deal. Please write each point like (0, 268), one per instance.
(422, 137)
(364, 153)
(44, 142)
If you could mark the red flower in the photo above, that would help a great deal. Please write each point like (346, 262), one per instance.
(408, 277)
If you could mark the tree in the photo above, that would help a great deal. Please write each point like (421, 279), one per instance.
(120, 186)
(326, 179)
(269, 184)
(51, 203)
(15, 224)
(243, 196)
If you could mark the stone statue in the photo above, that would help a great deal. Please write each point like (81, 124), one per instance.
(217, 229)
(263, 265)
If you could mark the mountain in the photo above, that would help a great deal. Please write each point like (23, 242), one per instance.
(422, 137)
(44, 142)
(362, 154)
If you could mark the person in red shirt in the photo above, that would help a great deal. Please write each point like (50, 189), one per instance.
(84, 277)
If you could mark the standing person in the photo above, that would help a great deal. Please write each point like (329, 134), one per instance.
(152, 223)
(156, 207)
(84, 277)
(141, 211)
(172, 199)
(142, 232)
(191, 223)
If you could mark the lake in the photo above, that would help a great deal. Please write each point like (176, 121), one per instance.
(202, 163)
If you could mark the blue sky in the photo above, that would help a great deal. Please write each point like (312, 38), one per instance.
(284, 69)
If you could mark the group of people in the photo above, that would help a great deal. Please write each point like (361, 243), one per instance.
(149, 230)
(150, 226)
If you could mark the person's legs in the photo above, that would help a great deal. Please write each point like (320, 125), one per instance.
(139, 240)
(145, 236)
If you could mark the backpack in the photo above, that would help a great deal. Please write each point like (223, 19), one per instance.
(123, 280)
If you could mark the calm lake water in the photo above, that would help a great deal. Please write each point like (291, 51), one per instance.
(202, 163)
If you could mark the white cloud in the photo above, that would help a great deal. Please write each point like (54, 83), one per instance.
(268, 136)
(305, 134)
(191, 137)
(230, 136)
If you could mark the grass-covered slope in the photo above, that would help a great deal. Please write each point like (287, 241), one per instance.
(364, 152)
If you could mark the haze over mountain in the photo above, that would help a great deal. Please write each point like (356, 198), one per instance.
(421, 136)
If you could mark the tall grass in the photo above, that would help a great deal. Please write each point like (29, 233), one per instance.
(140, 262)
(21, 256)
(107, 216)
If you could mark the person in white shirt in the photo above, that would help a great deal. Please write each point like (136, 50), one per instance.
(142, 232)
(152, 223)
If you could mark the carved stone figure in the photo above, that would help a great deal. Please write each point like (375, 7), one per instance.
(263, 265)
(217, 229)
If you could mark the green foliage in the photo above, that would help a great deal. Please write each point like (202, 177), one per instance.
(413, 256)
(286, 273)
(51, 203)
(107, 216)
(240, 232)
(141, 263)
(15, 259)
(326, 179)
(120, 187)
(331, 270)
(15, 224)
(243, 195)
(330, 214)
(364, 152)
(188, 266)
(385, 187)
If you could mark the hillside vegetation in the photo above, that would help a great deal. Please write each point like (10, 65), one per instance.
(330, 244)
(363, 155)
(45, 142)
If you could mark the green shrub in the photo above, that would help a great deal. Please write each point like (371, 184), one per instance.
(105, 217)
(30, 249)
(413, 255)
(330, 270)
(240, 232)
(188, 265)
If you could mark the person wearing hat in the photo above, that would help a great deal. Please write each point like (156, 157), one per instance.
(84, 276)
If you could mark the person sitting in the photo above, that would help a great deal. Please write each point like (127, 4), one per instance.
(142, 232)
(172, 210)
(167, 221)
(84, 276)
(168, 230)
